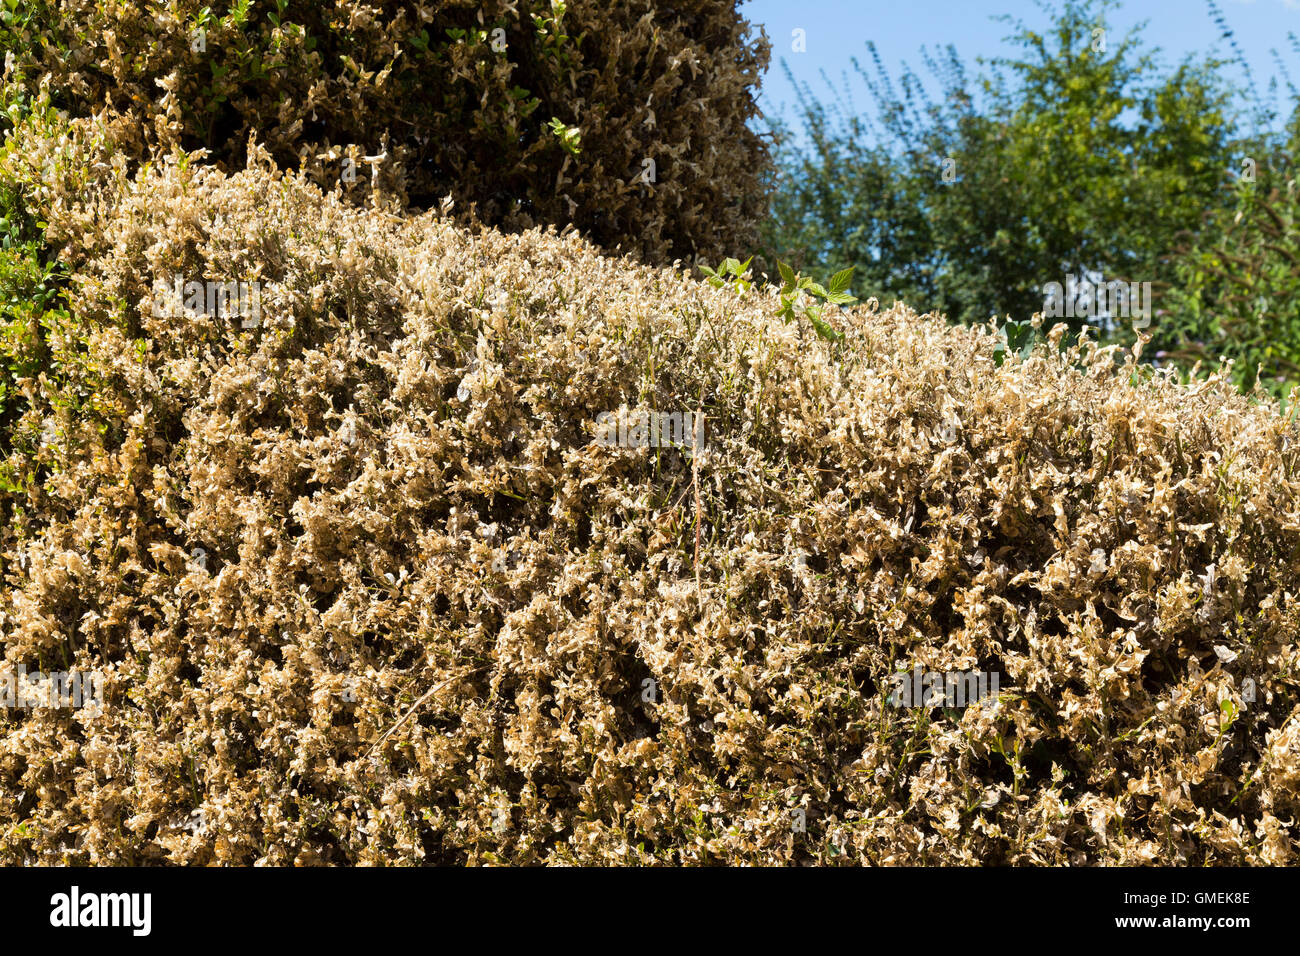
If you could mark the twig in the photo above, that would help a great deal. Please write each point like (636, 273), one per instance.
(695, 480)
(433, 690)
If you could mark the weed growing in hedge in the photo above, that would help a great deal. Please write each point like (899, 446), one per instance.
(793, 303)
(731, 272)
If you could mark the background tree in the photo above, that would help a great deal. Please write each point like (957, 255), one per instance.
(1237, 288)
(1078, 154)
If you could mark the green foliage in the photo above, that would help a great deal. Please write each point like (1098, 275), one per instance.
(731, 272)
(796, 289)
(32, 306)
(34, 310)
(30, 278)
(528, 112)
(1015, 338)
(570, 136)
(1074, 156)
(840, 202)
(1237, 293)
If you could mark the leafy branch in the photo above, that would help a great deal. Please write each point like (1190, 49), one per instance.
(796, 289)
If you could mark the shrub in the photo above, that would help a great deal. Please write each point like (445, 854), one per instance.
(531, 112)
(365, 587)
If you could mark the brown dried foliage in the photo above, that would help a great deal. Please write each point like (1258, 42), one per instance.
(397, 484)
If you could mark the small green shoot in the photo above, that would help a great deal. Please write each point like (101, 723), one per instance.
(570, 136)
(795, 286)
(732, 272)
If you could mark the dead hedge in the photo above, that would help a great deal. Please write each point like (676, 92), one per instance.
(274, 541)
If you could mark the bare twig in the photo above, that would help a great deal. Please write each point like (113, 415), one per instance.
(695, 480)
(391, 730)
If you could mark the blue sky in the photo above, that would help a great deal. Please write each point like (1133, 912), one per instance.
(836, 30)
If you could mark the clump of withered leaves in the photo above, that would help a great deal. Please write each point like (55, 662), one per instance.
(275, 541)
